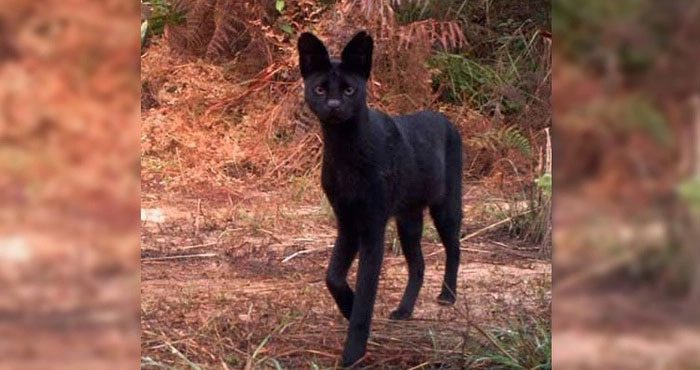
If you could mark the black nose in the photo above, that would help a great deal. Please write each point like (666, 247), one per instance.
(333, 103)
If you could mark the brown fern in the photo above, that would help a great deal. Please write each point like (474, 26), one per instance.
(230, 34)
(380, 13)
(447, 34)
(193, 36)
(200, 26)
(215, 29)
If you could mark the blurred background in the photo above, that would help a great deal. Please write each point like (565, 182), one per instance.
(626, 87)
(69, 170)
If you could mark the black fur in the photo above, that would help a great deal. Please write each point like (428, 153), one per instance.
(375, 167)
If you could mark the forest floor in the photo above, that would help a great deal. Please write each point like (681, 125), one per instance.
(228, 285)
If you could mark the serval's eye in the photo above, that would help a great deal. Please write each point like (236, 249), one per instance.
(349, 90)
(319, 90)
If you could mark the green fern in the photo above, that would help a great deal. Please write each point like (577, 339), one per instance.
(466, 78)
(503, 138)
(162, 14)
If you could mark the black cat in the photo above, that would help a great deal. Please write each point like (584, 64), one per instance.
(375, 167)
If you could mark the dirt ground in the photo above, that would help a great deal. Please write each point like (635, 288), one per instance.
(233, 286)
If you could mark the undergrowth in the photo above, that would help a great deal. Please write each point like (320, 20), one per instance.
(162, 14)
(500, 139)
(526, 345)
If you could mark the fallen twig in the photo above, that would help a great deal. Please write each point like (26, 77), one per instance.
(183, 256)
(183, 357)
(305, 251)
(311, 351)
(479, 232)
(492, 226)
(188, 247)
(511, 250)
(475, 250)
(493, 341)
(420, 366)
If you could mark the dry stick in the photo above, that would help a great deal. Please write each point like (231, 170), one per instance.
(270, 233)
(188, 247)
(420, 366)
(487, 228)
(548, 166)
(314, 352)
(476, 250)
(223, 364)
(476, 233)
(511, 250)
(183, 357)
(201, 255)
(479, 232)
(305, 251)
(493, 341)
(499, 223)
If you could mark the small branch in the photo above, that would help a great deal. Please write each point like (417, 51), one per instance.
(511, 250)
(183, 357)
(476, 250)
(695, 102)
(494, 342)
(184, 256)
(305, 251)
(188, 247)
(548, 156)
(479, 232)
(492, 226)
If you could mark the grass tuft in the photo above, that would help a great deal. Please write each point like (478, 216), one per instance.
(521, 346)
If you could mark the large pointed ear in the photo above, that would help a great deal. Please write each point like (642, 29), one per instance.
(313, 56)
(357, 55)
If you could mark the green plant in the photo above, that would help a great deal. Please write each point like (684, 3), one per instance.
(537, 225)
(144, 30)
(162, 14)
(503, 138)
(279, 5)
(507, 62)
(524, 346)
(544, 183)
(689, 192)
(409, 11)
(466, 79)
(531, 212)
(286, 27)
